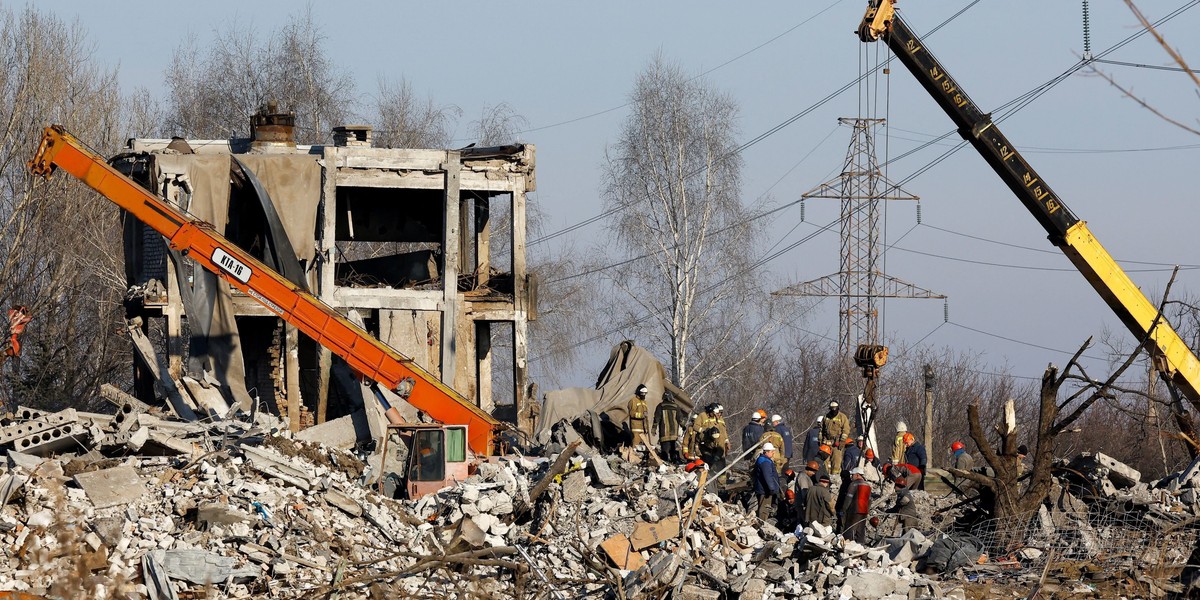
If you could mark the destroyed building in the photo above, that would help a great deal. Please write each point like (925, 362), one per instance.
(425, 248)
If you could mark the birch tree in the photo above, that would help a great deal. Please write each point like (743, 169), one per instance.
(671, 183)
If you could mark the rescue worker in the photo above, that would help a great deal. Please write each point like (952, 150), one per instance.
(772, 437)
(766, 481)
(712, 441)
(812, 440)
(914, 454)
(801, 484)
(700, 423)
(959, 458)
(784, 432)
(835, 428)
(666, 426)
(870, 467)
(638, 412)
(854, 454)
(818, 506)
(856, 506)
(1022, 452)
(823, 453)
(753, 430)
(720, 415)
(905, 476)
(905, 509)
(898, 445)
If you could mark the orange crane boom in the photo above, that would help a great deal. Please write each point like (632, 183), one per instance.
(198, 240)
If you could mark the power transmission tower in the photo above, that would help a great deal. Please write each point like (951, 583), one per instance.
(860, 283)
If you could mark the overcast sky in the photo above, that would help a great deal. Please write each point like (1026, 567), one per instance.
(568, 67)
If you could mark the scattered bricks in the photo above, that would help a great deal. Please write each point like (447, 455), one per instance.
(111, 487)
(41, 423)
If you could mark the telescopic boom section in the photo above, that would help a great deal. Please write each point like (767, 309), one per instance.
(200, 242)
(1065, 230)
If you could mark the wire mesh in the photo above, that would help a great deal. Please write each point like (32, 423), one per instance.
(1104, 533)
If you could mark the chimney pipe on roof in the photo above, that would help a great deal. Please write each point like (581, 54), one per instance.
(271, 128)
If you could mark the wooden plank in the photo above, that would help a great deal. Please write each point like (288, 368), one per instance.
(649, 534)
(377, 298)
(621, 553)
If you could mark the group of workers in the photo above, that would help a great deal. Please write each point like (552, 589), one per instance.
(706, 437)
(839, 475)
(838, 472)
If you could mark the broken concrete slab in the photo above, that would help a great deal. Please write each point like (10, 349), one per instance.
(63, 438)
(602, 473)
(1120, 473)
(343, 502)
(202, 567)
(111, 487)
(277, 465)
(37, 425)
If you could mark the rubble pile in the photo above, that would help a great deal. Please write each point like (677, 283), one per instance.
(139, 506)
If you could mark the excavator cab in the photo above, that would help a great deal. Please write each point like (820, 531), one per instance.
(432, 457)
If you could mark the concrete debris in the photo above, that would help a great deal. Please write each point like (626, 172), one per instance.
(228, 510)
(111, 487)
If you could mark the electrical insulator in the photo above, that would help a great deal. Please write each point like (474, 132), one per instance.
(801, 210)
(946, 311)
(918, 213)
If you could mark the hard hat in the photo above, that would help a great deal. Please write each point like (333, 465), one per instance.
(768, 447)
(956, 446)
(642, 389)
(820, 418)
(668, 396)
(776, 418)
(870, 454)
(720, 408)
(825, 448)
(857, 471)
(908, 438)
(849, 440)
(757, 416)
(1022, 449)
(824, 477)
(833, 404)
(901, 427)
(874, 521)
(788, 472)
(812, 466)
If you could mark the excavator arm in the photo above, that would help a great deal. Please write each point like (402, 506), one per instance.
(1066, 231)
(199, 241)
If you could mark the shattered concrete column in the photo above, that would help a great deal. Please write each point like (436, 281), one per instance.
(450, 232)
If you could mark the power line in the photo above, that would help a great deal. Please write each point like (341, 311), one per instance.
(759, 138)
(1045, 251)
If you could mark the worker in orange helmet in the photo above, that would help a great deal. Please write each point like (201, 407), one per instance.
(914, 454)
(961, 460)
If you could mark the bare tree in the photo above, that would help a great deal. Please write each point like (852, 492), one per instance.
(498, 124)
(671, 182)
(213, 91)
(59, 245)
(1012, 495)
(405, 121)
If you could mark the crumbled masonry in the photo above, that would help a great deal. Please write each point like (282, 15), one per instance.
(232, 510)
